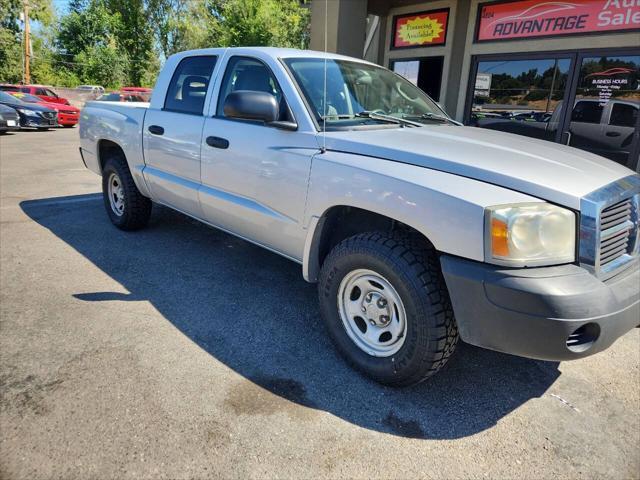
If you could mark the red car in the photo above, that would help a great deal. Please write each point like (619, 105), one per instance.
(68, 116)
(45, 93)
(121, 97)
(144, 92)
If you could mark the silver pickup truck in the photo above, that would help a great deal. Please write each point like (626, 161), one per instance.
(417, 230)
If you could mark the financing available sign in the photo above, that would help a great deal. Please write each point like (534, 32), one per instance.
(539, 18)
(422, 29)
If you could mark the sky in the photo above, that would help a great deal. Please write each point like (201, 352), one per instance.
(61, 6)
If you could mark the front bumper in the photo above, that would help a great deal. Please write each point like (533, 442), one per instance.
(68, 119)
(32, 121)
(9, 124)
(538, 312)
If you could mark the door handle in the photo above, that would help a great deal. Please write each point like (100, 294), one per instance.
(156, 129)
(612, 134)
(217, 142)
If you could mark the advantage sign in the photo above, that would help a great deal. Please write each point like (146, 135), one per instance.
(420, 29)
(541, 18)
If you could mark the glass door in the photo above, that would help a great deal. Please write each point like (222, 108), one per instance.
(606, 100)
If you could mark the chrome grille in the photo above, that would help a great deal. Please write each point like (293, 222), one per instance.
(615, 230)
(609, 229)
(49, 115)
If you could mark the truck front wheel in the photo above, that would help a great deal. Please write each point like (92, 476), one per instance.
(127, 208)
(386, 307)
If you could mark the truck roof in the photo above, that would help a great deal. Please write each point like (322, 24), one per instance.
(274, 52)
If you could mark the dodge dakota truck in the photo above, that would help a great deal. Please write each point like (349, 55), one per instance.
(418, 231)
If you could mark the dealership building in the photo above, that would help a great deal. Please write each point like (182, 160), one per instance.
(507, 64)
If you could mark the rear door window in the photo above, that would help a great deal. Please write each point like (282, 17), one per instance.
(189, 85)
(623, 115)
(587, 112)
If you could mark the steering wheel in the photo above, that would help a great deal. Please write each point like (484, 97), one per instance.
(404, 94)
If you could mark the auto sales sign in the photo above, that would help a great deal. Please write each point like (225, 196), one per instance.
(539, 18)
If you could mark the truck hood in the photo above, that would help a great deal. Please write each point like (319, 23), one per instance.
(542, 169)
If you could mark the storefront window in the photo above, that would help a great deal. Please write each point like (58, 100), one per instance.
(605, 115)
(520, 96)
(425, 73)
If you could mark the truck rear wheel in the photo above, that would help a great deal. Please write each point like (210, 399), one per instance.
(386, 307)
(127, 208)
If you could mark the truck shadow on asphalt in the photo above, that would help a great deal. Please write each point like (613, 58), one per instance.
(251, 310)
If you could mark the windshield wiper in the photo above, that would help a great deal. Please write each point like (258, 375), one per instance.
(387, 118)
(435, 116)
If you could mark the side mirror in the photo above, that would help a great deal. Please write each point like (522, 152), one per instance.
(251, 105)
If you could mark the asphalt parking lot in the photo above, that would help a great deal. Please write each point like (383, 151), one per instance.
(182, 352)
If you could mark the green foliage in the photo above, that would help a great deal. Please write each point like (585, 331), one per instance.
(278, 23)
(10, 56)
(118, 42)
(11, 36)
(103, 65)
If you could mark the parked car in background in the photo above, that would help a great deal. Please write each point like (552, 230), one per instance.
(31, 115)
(136, 90)
(68, 116)
(121, 97)
(8, 87)
(9, 119)
(45, 93)
(96, 90)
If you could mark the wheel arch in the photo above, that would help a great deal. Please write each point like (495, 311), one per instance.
(339, 222)
(107, 148)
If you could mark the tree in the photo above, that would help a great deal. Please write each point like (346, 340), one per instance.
(135, 36)
(11, 35)
(278, 23)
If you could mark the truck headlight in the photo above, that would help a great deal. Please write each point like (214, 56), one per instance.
(529, 234)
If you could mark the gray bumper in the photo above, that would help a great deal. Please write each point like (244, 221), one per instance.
(539, 312)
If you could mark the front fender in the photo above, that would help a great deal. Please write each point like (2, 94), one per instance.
(447, 209)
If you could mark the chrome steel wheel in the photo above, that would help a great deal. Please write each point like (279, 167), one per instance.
(372, 313)
(116, 194)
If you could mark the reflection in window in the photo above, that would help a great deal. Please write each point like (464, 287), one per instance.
(587, 112)
(604, 78)
(504, 87)
(624, 115)
(520, 96)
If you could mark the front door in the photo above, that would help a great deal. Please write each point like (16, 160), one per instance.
(606, 101)
(254, 177)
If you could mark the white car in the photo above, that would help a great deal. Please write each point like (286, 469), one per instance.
(419, 231)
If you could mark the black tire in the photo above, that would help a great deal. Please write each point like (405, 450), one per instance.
(413, 269)
(137, 207)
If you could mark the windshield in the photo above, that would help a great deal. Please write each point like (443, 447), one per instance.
(5, 97)
(358, 94)
(25, 97)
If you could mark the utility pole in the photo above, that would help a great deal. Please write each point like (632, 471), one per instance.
(27, 43)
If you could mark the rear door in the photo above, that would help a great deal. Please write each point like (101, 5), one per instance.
(172, 135)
